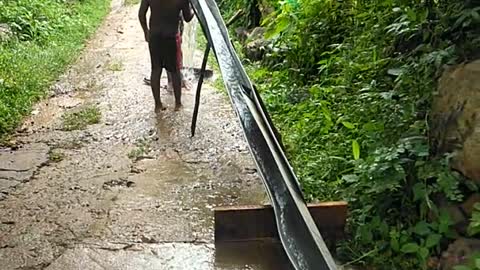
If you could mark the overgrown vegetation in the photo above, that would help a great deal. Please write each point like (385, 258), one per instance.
(81, 118)
(44, 37)
(349, 85)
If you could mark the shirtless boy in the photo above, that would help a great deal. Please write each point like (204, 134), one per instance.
(185, 84)
(161, 38)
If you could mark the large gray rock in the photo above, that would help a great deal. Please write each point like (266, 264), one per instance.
(456, 118)
(458, 253)
(266, 8)
(256, 44)
(19, 166)
(242, 34)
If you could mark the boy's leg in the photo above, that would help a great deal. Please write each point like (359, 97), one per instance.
(156, 72)
(179, 51)
(169, 60)
(177, 89)
(155, 79)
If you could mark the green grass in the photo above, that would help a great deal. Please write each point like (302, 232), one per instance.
(115, 65)
(131, 2)
(142, 148)
(40, 50)
(81, 118)
(134, 154)
(55, 156)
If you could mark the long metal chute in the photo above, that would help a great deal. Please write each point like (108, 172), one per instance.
(298, 233)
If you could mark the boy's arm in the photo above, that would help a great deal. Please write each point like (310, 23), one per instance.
(142, 16)
(187, 11)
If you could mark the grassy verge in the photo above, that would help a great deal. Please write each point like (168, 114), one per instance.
(39, 49)
(81, 118)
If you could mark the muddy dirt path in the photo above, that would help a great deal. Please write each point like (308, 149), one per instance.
(133, 191)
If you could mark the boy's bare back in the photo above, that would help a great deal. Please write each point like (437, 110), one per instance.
(164, 15)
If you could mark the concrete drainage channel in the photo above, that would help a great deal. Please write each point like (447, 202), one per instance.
(299, 235)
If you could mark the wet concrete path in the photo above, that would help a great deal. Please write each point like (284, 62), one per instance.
(133, 191)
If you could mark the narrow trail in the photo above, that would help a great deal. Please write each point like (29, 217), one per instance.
(133, 191)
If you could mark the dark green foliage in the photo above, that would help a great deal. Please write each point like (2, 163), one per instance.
(349, 85)
(47, 36)
(252, 13)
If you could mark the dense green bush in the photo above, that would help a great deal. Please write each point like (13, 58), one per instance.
(349, 85)
(46, 36)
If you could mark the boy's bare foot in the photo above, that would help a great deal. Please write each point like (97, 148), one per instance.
(159, 108)
(178, 106)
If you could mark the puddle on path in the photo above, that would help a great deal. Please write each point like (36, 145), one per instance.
(261, 255)
(176, 256)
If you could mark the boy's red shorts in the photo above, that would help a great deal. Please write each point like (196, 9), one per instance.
(179, 51)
